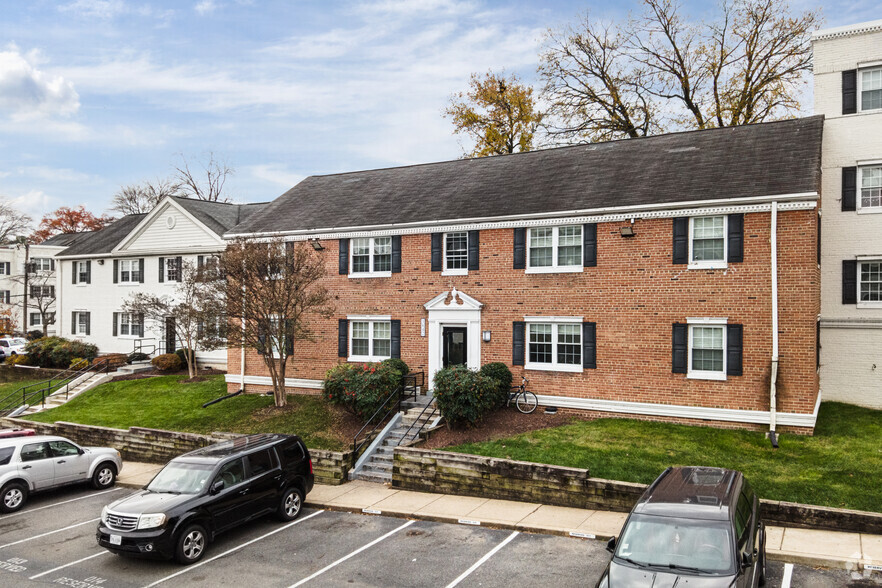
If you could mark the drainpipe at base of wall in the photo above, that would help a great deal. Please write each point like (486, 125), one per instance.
(773, 380)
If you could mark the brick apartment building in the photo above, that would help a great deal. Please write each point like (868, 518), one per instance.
(643, 277)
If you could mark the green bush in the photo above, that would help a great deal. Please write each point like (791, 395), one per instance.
(183, 354)
(136, 356)
(499, 371)
(397, 365)
(18, 360)
(167, 362)
(464, 396)
(360, 388)
(79, 363)
(58, 352)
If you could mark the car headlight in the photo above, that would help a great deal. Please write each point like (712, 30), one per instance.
(150, 521)
(104, 515)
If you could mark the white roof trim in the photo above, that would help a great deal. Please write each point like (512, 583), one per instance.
(157, 210)
(854, 29)
(439, 301)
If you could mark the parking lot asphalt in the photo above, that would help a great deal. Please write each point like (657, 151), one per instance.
(52, 542)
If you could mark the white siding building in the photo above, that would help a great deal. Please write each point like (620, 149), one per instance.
(848, 92)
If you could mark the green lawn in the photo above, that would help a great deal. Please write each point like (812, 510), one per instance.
(167, 403)
(7, 388)
(840, 466)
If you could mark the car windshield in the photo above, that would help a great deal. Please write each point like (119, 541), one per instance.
(181, 478)
(19, 341)
(692, 545)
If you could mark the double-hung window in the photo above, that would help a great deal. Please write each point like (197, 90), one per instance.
(172, 269)
(41, 264)
(871, 88)
(870, 182)
(707, 349)
(129, 325)
(554, 344)
(129, 271)
(870, 283)
(371, 256)
(80, 323)
(554, 249)
(82, 272)
(456, 253)
(370, 340)
(707, 241)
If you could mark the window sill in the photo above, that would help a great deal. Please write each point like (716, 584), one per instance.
(571, 368)
(718, 376)
(365, 359)
(708, 266)
(870, 210)
(872, 304)
(566, 269)
(372, 275)
(455, 272)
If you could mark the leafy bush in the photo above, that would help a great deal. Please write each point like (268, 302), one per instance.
(360, 388)
(397, 365)
(136, 356)
(18, 360)
(464, 396)
(79, 362)
(35, 334)
(115, 360)
(183, 354)
(499, 371)
(167, 362)
(58, 352)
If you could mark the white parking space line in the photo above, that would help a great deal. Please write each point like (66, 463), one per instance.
(54, 504)
(481, 561)
(50, 533)
(788, 575)
(73, 563)
(229, 551)
(353, 554)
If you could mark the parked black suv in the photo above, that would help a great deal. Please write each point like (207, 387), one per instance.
(693, 525)
(208, 491)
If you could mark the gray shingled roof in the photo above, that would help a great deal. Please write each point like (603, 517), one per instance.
(749, 161)
(66, 239)
(104, 240)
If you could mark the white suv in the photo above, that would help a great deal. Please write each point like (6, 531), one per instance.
(13, 346)
(36, 463)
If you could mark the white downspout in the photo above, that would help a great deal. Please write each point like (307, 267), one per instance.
(773, 400)
(242, 352)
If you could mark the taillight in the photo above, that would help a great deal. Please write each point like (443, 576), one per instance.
(310, 465)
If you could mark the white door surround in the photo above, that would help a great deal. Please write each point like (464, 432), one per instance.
(453, 309)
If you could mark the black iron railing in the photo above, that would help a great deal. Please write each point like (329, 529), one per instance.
(423, 419)
(392, 403)
(37, 392)
(145, 346)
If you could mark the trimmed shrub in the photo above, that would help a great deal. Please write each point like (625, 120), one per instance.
(18, 360)
(167, 362)
(397, 365)
(499, 371)
(464, 396)
(360, 388)
(75, 362)
(136, 356)
(35, 334)
(182, 353)
(58, 352)
(115, 359)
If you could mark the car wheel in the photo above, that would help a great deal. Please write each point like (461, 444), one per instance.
(13, 497)
(104, 476)
(762, 565)
(191, 544)
(291, 504)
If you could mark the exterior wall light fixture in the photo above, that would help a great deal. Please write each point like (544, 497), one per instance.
(316, 244)
(485, 336)
(627, 231)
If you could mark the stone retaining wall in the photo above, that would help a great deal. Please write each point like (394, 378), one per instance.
(486, 477)
(330, 467)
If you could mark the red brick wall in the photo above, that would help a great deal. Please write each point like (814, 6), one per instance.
(634, 295)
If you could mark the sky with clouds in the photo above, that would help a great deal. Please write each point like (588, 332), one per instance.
(98, 94)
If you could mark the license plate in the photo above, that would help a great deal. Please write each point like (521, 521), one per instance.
(116, 539)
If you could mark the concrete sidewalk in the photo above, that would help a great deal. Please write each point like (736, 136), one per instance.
(850, 551)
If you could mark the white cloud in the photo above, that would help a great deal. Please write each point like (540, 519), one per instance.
(205, 7)
(102, 9)
(275, 173)
(43, 172)
(27, 92)
(35, 203)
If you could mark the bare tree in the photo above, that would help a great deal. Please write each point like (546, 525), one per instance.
(269, 292)
(205, 184)
(38, 294)
(142, 198)
(12, 222)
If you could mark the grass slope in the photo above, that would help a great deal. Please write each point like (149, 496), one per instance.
(840, 466)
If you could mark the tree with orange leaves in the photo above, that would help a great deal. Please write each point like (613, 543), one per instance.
(68, 220)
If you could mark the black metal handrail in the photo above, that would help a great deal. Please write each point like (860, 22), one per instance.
(424, 422)
(140, 346)
(412, 382)
(38, 391)
(394, 405)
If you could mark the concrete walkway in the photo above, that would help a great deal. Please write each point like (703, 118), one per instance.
(851, 551)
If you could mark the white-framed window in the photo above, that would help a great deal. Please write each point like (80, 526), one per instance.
(871, 88)
(277, 337)
(36, 319)
(870, 188)
(371, 257)
(706, 349)
(370, 339)
(456, 253)
(707, 241)
(4, 269)
(81, 323)
(82, 272)
(554, 344)
(6, 296)
(869, 283)
(129, 271)
(42, 292)
(129, 325)
(41, 264)
(172, 272)
(554, 249)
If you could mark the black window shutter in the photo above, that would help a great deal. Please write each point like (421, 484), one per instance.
(589, 245)
(141, 324)
(520, 251)
(200, 328)
(344, 257)
(849, 281)
(115, 323)
(289, 337)
(89, 271)
(474, 250)
(519, 329)
(678, 345)
(51, 291)
(8, 268)
(396, 254)
(589, 346)
(437, 252)
(849, 188)
(396, 339)
(849, 91)
(200, 261)
(73, 272)
(52, 265)
(88, 323)
(73, 323)
(736, 238)
(179, 265)
(342, 338)
(115, 271)
(261, 337)
(141, 270)
(734, 334)
(161, 270)
(681, 239)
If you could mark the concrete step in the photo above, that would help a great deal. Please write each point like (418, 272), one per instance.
(373, 477)
(381, 458)
(378, 468)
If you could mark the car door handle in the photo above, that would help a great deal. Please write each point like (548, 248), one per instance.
(277, 478)
(243, 492)
(26, 467)
(62, 461)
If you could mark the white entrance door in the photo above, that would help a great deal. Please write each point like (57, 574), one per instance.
(454, 328)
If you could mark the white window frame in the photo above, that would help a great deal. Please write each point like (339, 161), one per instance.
(136, 262)
(714, 263)
(38, 322)
(371, 273)
(41, 290)
(82, 270)
(860, 85)
(171, 265)
(454, 271)
(866, 303)
(3, 268)
(555, 322)
(271, 340)
(705, 374)
(554, 268)
(47, 261)
(79, 314)
(6, 296)
(132, 322)
(371, 357)
(859, 188)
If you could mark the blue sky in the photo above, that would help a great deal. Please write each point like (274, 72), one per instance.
(96, 94)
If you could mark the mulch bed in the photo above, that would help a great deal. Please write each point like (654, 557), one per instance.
(503, 423)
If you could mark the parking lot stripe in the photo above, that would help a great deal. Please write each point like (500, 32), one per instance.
(788, 575)
(481, 561)
(30, 510)
(229, 551)
(49, 533)
(353, 554)
(73, 563)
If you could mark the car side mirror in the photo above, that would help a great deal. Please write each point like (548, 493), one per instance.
(217, 487)
(746, 559)
(611, 545)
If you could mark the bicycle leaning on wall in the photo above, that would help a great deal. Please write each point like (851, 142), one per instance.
(524, 400)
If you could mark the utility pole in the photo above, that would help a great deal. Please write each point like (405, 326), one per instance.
(24, 300)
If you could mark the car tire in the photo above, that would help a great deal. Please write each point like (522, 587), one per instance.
(191, 544)
(13, 497)
(761, 581)
(104, 476)
(291, 504)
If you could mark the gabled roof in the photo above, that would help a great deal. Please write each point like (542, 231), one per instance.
(65, 239)
(220, 217)
(730, 163)
(103, 240)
